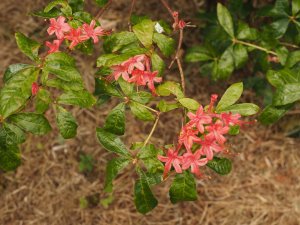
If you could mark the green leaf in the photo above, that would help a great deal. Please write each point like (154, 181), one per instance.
(244, 32)
(183, 188)
(281, 77)
(221, 166)
(86, 163)
(149, 156)
(83, 99)
(66, 9)
(101, 3)
(141, 112)
(27, 46)
(113, 168)
(271, 114)
(225, 19)
(240, 55)
(287, 94)
(117, 41)
(164, 43)
(163, 106)
(43, 99)
(13, 134)
(157, 64)
(168, 88)
(279, 27)
(9, 157)
(112, 142)
(295, 7)
(231, 96)
(31, 122)
(66, 123)
(293, 59)
(143, 198)
(14, 69)
(126, 87)
(103, 87)
(224, 67)
(189, 103)
(198, 54)
(64, 85)
(53, 13)
(115, 121)
(144, 32)
(234, 130)
(109, 60)
(244, 109)
(141, 97)
(17, 91)
(283, 54)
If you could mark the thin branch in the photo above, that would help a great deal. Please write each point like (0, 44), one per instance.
(167, 7)
(100, 13)
(255, 46)
(130, 14)
(181, 74)
(289, 45)
(178, 48)
(152, 131)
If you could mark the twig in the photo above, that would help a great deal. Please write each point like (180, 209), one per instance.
(255, 46)
(289, 45)
(130, 14)
(167, 7)
(152, 131)
(181, 74)
(100, 13)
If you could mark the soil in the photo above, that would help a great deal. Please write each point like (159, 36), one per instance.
(48, 187)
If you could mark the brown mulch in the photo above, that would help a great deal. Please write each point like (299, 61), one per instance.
(263, 188)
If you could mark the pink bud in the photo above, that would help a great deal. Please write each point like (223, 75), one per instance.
(34, 88)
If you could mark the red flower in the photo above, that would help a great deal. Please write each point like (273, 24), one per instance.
(89, 31)
(138, 77)
(188, 137)
(151, 78)
(118, 71)
(135, 62)
(199, 119)
(213, 100)
(59, 27)
(208, 145)
(230, 119)
(217, 130)
(53, 47)
(193, 160)
(34, 88)
(75, 37)
(172, 158)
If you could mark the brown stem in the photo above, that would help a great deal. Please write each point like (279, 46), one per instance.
(167, 7)
(130, 13)
(100, 13)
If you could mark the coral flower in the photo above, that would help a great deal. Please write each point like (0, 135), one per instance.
(172, 158)
(193, 160)
(208, 146)
(53, 47)
(89, 31)
(199, 119)
(217, 130)
(75, 37)
(188, 137)
(151, 78)
(59, 27)
(34, 88)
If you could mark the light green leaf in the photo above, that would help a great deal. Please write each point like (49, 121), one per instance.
(244, 109)
(164, 43)
(141, 97)
(112, 142)
(224, 67)
(126, 87)
(183, 188)
(280, 77)
(287, 94)
(189, 103)
(157, 64)
(295, 7)
(66, 123)
(43, 99)
(149, 156)
(31, 122)
(14, 69)
(83, 99)
(115, 121)
(141, 112)
(12, 134)
(66, 9)
(168, 88)
(117, 41)
(231, 96)
(240, 55)
(293, 58)
(225, 19)
(280, 27)
(144, 32)
(163, 106)
(27, 46)
(244, 32)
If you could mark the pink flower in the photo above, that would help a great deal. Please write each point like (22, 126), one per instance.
(53, 47)
(172, 158)
(34, 88)
(75, 37)
(230, 119)
(208, 145)
(138, 77)
(193, 160)
(135, 62)
(118, 71)
(188, 137)
(151, 77)
(199, 119)
(59, 27)
(217, 130)
(89, 31)
(213, 100)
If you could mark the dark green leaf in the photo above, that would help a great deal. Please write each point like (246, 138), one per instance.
(141, 112)
(198, 54)
(287, 94)
(141, 97)
(244, 32)
(225, 19)
(9, 157)
(66, 123)
(12, 133)
(221, 166)
(83, 99)
(144, 32)
(117, 41)
(111, 142)
(163, 106)
(27, 46)
(295, 7)
(126, 87)
(280, 77)
(53, 13)
(272, 114)
(240, 55)
(224, 67)
(43, 99)
(183, 188)
(231, 96)
(280, 27)
(293, 58)
(31, 122)
(115, 121)
(149, 156)
(66, 9)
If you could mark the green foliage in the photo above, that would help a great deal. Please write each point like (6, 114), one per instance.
(66, 123)
(115, 121)
(141, 112)
(86, 163)
(144, 32)
(221, 166)
(27, 46)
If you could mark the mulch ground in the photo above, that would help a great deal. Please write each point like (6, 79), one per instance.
(263, 188)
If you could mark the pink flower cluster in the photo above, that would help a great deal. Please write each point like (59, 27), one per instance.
(63, 30)
(205, 131)
(136, 70)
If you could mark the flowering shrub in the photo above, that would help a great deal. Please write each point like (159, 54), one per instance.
(230, 41)
(131, 70)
